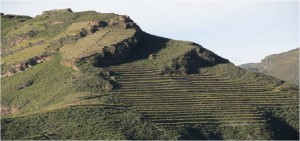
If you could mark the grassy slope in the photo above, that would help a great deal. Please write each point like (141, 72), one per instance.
(48, 80)
(24, 54)
(9, 21)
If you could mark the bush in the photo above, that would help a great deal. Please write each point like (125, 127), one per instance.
(102, 24)
(248, 132)
(83, 32)
(93, 29)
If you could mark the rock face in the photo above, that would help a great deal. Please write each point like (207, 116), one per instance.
(284, 66)
(27, 64)
(111, 55)
(191, 61)
(123, 21)
(115, 54)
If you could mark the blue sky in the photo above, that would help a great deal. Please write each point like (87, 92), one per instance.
(240, 30)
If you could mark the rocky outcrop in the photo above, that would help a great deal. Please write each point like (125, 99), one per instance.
(152, 56)
(124, 22)
(8, 110)
(20, 67)
(193, 60)
(23, 85)
(113, 54)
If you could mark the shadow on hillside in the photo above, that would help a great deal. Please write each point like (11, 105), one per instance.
(198, 58)
(200, 132)
(280, 128)
(148, 44)
(196, 134)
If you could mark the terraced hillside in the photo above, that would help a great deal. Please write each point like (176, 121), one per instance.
(205, 99)
(88, 75)
(95, 43)
(75, 35)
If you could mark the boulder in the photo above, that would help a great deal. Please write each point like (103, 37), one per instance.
(108, 87)
(152, 56)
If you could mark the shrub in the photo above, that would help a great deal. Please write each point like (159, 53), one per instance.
(93, 29)
(102, 24)
(92, 79)
(83, 32)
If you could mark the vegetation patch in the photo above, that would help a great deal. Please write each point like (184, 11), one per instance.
(283, 122)
(83, 123)
(247, 132)
(92, 79)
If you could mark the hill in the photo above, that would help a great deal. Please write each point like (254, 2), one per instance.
(88, 75)
(284, 66)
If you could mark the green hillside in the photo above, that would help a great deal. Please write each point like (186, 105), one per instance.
(88, 75)
(284, 66)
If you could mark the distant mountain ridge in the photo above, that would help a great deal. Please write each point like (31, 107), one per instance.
(284, 66)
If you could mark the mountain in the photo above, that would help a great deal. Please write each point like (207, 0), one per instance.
(88, 75)
(284, 66)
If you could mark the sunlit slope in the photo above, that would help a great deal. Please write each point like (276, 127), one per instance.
(284, 66)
